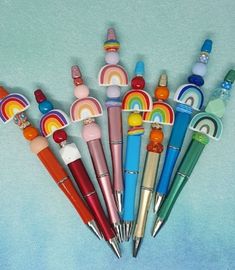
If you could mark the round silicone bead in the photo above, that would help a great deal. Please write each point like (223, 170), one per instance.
(81, 91)
(91, 132)
(135, 120)
(113, 91)
(138, 82)
(196, 79)
(199, 69)
(45, 106)
(60, 136)
(38, 144)
(30, 133)
(112, 58)
(156, 135)
(162, 92)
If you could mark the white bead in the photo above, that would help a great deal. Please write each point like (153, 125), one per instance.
(113, 91)
(112, 58)
(199, 69)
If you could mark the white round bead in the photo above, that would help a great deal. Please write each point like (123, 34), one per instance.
(112, 58)
(113, 91)
(199, 69)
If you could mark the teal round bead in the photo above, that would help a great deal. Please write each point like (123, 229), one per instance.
(45, 106)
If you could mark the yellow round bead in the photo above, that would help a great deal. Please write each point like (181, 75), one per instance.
(30, 133)
(135, 120)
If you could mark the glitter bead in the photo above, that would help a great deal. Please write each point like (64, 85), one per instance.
(161, 92)
(135, 120)
(199, 69)
(196, 79)
(30, 133)
(113, 91)
(112, 58)
(204, 58)
(138, 82)
(60, 136)
(81, 91)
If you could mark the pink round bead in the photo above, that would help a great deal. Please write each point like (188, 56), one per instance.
(113, 91)
(91, 132)
(112, 58)
(81, 91)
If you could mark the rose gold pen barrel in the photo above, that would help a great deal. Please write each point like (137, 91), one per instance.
(115, 141)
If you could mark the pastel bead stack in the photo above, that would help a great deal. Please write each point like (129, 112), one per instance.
(199, 69)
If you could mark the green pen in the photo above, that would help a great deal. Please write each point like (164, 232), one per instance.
(206, 125)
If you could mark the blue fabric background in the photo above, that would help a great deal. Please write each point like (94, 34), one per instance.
(40, 40)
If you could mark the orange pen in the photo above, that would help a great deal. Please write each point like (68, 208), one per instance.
(12, 106)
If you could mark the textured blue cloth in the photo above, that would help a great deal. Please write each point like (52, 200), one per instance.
(40, 40)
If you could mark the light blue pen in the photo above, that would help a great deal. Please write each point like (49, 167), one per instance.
(189, 97)
(135, 101)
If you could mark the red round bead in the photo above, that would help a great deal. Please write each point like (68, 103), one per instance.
(138, 82)
(59, 136)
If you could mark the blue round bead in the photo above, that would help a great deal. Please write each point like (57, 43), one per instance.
(45, 106)
(196, 79)
(226, 85)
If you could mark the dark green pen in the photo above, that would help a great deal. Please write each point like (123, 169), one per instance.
(206, 125)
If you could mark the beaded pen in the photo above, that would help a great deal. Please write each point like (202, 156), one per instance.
(135, 100)
(161, 114)
(52, 123)
(206, 125)
(85, 109)
(114, 76)
(12, 106)
(189, 97)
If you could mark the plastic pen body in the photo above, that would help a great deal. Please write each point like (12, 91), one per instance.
(186, 167)
(182, 120)
(115, 141)
(72, 159)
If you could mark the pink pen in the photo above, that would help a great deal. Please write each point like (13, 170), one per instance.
(114, 76)
(85, 109)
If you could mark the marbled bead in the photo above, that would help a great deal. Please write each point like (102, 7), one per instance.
(81, 91)
(226, 85)
(112, 58)
(196, 79)
(113, 91)
(199, 69)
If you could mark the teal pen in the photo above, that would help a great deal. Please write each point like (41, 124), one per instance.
(207, 125)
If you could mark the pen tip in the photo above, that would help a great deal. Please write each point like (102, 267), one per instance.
(158, 202)
(94, 228)
(136, 246)
(157, 226)
(113, 243)
(119, 231)
(118, 198)
(127, 230)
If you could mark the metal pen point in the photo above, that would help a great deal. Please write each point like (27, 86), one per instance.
(94, 228)
(127, 230)
(158, 202)
(118, 198)
(136, 245)
(157, 226)
(113, 243)
(119, 232)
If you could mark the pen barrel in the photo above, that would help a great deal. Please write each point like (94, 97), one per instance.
(115, 141)
(183, 173)
(131, 174)
(57, 172)
(88, 191)
(182, 120)
(103, 177)
(146, 191)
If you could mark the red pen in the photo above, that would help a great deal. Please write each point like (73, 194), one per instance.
(72, 158)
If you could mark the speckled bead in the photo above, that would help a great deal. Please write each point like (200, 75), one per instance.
(81, 91)
(113, 91)
(112, 58)
(196, 79)
(226, 85)
(199, 69)
(204, 57)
